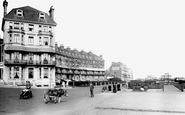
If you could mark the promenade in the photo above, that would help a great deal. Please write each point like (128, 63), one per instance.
(153, 102)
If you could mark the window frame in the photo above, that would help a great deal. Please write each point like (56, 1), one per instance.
(31, 40)
(16, 25)
(32, 71)
(31, 27)
(19, 13)
(46, 41)
(46, 73)
(17, 38)
(16, 71)
(42, 15)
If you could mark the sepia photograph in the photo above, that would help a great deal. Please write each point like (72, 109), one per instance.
(92, 57)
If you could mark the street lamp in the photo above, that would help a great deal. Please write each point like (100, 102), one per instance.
(73, 78)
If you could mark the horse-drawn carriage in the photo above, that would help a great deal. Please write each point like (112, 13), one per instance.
(54, 95)
(26, 94)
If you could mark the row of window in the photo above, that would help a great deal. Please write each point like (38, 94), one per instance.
(17, 74)
(20, 13)
(31, 27)
(77, 54)
(17, 55)
(79, 63)
(19, 39)
(62, 61)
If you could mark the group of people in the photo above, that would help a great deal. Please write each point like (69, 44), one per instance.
(114, 88)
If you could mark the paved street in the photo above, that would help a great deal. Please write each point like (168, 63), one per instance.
(10, 102)
(153, 102)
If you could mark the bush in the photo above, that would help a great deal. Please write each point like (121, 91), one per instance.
(150, 84)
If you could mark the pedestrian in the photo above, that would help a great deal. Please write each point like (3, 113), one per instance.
(28, 85)
(92, 89)
(114, 88)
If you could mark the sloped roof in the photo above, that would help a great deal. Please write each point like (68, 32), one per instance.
(30, 14)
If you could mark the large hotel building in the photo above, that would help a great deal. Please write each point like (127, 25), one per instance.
(120, 70)
(30, 52)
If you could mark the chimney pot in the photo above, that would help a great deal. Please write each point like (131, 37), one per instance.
(5, 4)
(51, 12)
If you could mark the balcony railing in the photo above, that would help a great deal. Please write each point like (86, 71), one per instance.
(29, 62)
(45, 33)
(12, 30)
(14, 62)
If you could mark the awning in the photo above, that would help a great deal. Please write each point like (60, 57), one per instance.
(116, 80)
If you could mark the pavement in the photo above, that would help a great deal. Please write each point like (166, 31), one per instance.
(153, 102)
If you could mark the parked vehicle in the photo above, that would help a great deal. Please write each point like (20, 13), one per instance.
(54, 95)
(26, 94)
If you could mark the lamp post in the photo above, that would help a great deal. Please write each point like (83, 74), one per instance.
(73, 78)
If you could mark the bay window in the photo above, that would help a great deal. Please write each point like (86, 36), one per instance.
(16, 38)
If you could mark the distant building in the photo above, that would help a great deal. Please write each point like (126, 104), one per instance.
(151, 77)
(120, 70)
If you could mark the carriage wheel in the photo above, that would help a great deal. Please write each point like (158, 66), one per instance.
(55, 100)
(58, 99)
(46, 99)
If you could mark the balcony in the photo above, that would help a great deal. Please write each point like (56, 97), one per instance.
(12, 48)
(16, 30)
(19, 62)
(14, 62)
(40, 63)
(48, 33)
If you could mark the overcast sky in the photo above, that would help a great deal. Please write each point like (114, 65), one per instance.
(146, 35)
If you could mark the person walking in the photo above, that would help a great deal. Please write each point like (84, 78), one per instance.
(92, 89)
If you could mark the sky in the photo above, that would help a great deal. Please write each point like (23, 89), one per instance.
(146, 35)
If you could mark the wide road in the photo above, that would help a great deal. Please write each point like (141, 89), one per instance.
(10, 102)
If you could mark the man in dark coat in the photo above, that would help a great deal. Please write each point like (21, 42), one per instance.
(92, 89)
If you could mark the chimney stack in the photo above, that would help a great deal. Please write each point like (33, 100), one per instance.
(51, 12)
(5, 4)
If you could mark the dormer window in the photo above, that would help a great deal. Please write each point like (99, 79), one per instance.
(19, 13)
(42, 15)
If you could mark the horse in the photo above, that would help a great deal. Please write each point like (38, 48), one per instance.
(54, 95)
